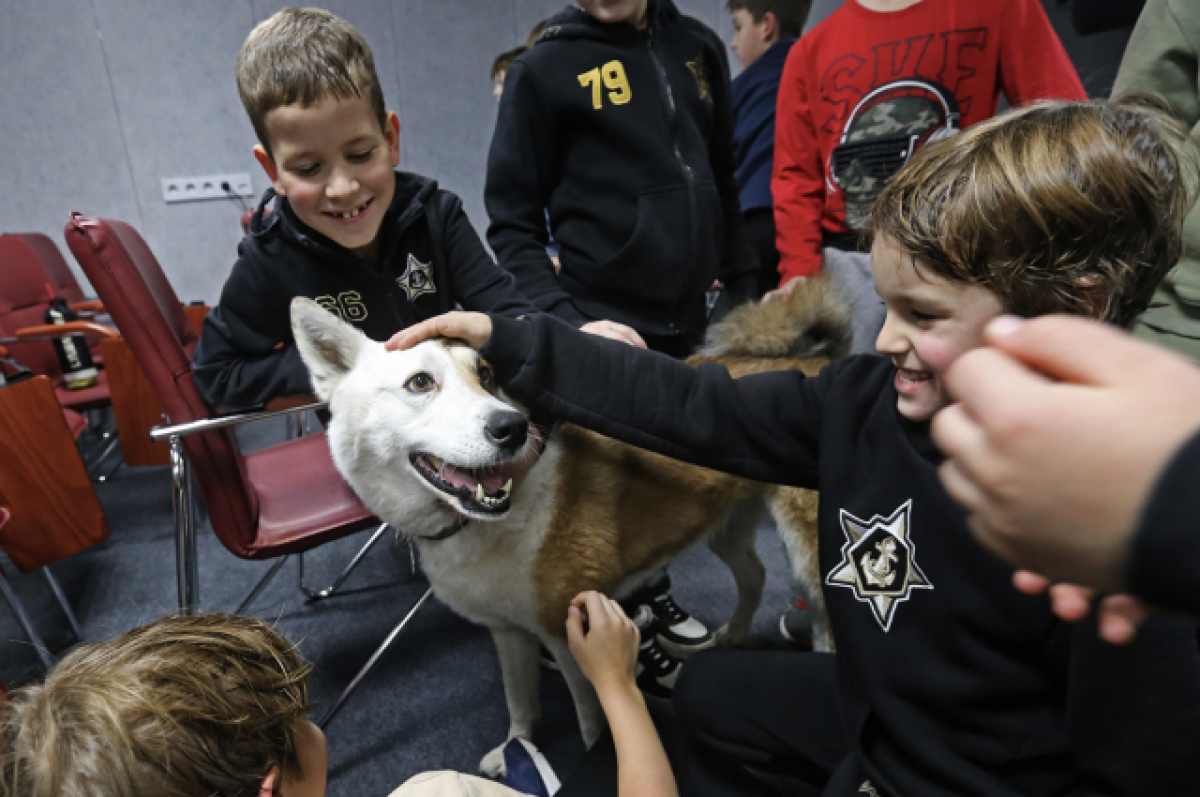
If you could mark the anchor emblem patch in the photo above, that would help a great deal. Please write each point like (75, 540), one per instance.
(879, 562)
(417, 279)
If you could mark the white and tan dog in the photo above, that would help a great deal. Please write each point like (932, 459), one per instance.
(431, 446)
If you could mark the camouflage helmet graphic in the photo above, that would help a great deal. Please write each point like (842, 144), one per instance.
(881, 134)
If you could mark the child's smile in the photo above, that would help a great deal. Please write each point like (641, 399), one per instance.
(334, 164)
(930, 322)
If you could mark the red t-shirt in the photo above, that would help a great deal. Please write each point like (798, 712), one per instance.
(863, 89)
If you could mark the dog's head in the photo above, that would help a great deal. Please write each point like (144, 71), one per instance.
(429, 416)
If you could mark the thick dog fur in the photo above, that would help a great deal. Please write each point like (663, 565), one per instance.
(592, 513)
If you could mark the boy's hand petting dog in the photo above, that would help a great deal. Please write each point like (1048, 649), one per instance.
(603, 641)
(784, 291)
(475, 329)
(614, 331)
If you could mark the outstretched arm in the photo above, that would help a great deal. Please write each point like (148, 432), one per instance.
(605, 644)
(764, 427)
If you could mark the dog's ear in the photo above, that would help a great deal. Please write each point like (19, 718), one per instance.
(328, 345)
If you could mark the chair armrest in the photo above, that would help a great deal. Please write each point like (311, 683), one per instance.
(49, 331)
(159, 433)
(88, 306)
(3, 353)
(289, 402)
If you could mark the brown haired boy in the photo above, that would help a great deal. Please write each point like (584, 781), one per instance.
(380, 248)
(203, 706)
(946, 681)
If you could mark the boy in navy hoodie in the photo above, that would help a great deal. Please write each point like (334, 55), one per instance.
(766, 31)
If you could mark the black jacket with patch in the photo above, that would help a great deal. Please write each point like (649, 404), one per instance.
(953, 683)
(430, 260)
(625, 138)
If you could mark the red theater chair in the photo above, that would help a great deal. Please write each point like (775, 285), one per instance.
(285, 499)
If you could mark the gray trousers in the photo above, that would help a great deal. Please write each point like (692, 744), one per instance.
(851, 275)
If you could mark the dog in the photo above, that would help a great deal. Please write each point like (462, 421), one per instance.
(432, 447)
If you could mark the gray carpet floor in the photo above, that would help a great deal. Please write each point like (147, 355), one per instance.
(435, 701)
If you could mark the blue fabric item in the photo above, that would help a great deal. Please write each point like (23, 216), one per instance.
(522, 773)
(754, 93)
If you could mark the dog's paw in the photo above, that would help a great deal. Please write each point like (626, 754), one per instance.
(492, 765)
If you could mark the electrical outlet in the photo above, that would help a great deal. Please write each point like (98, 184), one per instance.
(191, 189)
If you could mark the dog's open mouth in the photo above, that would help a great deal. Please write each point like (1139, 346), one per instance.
(484, 490)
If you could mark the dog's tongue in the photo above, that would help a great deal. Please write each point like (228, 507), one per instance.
(492, 482)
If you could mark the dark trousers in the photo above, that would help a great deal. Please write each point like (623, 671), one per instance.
(759, 224)
(773, 711)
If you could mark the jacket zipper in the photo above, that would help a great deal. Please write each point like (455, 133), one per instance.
(689, 178)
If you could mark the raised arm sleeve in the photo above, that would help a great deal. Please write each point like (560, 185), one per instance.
(798, 178)
(517, 191)
(246, 355)
(763, 427)
(1164, 559)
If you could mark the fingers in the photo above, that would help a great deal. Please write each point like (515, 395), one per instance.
(614, 331)
(575, 635)
(1071, 602)
(1069, 349)
(1030, 583)
(474, 328)
(989, 384)
(1120, 616)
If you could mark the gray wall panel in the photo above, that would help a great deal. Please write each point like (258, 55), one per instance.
(105, 97)
(60, 141)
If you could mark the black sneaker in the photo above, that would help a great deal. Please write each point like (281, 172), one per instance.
(656, 670)
(796, 623)
(681, 634)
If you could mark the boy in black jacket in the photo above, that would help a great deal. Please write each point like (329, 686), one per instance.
(618, 125)
(382, 249)
(947, 681)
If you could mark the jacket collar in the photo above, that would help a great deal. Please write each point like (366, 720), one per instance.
(409, 199)
(575, 23)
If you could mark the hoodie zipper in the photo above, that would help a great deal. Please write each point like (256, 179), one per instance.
(689, 177)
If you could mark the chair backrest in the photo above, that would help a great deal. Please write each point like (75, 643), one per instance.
(138, 296)
(24, 298)
(61, 276)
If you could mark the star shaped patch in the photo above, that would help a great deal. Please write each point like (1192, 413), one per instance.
(879, 562)
(417, 279)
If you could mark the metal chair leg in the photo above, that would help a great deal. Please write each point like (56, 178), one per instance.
(313, 597)
(62, 601)
(262, 583)
(375, 657)
(187, 571)
(23, 618)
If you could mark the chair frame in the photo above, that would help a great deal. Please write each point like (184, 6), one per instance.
(186, 559)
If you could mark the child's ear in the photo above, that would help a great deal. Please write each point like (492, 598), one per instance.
(391, 131)
(770, 26)
(264, 160)
(267, 787)
(328, 345)
(1094, 298)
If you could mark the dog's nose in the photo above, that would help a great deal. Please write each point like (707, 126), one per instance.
(507, 430)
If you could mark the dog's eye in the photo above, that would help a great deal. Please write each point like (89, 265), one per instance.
(420, 383)
(487, 379)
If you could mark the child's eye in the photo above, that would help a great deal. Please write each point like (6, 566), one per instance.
(362, 157)
(922, 318)
(307, 171)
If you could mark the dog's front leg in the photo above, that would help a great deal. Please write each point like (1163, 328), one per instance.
(587, 705)
(519, 666)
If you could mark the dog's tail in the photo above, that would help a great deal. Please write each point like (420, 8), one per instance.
(812, 322)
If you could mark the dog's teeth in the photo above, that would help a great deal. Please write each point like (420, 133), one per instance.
(479, 494)
(437, 462)
(507, 488)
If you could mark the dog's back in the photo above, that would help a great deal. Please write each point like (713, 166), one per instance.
(621, 511)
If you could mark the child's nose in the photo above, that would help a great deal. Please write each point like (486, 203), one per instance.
(341, 185)
(890, 339)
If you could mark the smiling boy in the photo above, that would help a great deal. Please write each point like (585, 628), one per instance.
(946, 680)
(382, 249)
